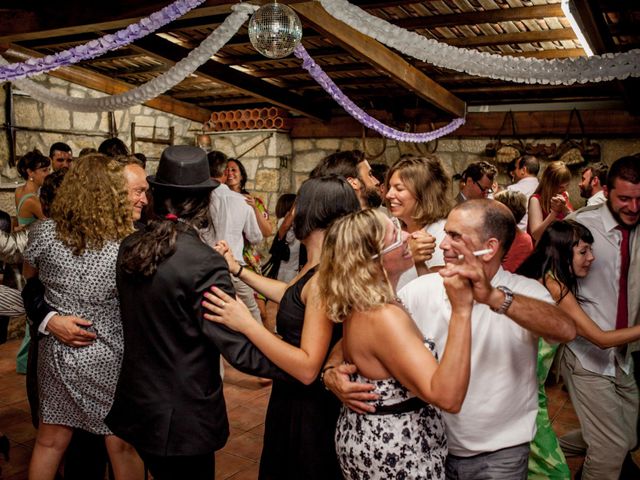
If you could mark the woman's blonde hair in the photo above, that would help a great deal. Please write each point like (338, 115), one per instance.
(350, 279)
(553, 176)
(92, 206)
(428, 182)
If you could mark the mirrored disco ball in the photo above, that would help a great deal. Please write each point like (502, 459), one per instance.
(275, 30)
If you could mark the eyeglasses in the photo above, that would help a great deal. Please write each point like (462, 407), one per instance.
(483, 189)
(398, 241)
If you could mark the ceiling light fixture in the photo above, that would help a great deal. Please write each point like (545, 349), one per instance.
(573, 16)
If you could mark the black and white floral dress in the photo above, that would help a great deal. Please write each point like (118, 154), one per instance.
(77, 385)
(403, 446)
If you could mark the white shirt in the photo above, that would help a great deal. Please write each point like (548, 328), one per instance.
(501, 405)
(596, 199)
(231, 217)
(601, 286)
(437, 260)
(526, 186)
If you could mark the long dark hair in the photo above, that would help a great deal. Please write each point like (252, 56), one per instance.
(320, 201)
(554, 254)
(157, 242)
(243, 174)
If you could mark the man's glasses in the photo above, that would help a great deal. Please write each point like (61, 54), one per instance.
(397, 243)
(484, 190)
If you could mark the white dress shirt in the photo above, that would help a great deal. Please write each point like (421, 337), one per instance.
(526, 186)
(596, 199)
(501, 405)
(231, 217)
(601, 287)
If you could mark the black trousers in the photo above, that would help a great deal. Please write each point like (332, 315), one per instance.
(199, 467)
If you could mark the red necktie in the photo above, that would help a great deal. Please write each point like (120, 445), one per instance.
(622, 318)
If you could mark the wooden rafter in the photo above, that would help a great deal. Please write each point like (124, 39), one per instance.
(513, 38)
(549, 123)
(598, 36)
(171, 53)
(53, 19)
(486, 16)
(381, 58)
(109, 85)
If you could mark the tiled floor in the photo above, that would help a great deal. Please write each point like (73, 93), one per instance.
(246, 404)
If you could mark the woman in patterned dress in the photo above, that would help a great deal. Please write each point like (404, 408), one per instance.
(74, 254)
(363, 256)
(561, 257)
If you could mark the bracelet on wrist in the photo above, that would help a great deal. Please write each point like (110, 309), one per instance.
(237, 275)
(325, 370)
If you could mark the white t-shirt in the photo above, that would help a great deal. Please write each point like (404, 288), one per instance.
(437, 260)
(501, 405)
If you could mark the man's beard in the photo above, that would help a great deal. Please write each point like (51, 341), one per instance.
(618, 218)
(372, 197)
(586, 192)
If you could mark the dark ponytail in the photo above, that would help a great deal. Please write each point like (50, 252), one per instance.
(174, 212)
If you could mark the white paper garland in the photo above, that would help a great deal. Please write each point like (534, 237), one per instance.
(598, 68)
(199, 55)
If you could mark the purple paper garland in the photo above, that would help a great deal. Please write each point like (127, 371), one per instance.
(360, 115)
(100, 46)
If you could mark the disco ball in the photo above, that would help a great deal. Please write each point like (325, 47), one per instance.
(275, 30)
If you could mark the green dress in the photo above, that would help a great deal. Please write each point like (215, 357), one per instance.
(546, 460)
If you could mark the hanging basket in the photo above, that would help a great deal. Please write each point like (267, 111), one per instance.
(505, 152)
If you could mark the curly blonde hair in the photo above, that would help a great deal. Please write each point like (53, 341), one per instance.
(350, 280)
(91, 206)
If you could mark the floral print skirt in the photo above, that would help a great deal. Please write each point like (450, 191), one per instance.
(408, 445)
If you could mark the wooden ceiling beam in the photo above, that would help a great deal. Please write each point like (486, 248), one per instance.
(597, 123)
(258, 58)
(209, 92)
(512, 38)
(597, 34)
(111, 86)
(288, 71)
(486, 16)
(232, 102)
(69, 17)
(171, 53)
(558, 53)
(381, 58)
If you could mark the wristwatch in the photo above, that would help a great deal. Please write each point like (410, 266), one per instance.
(508, 299)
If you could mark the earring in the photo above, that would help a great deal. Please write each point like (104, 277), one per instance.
(31, 179)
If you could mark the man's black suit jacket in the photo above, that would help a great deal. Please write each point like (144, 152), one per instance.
(169, 398)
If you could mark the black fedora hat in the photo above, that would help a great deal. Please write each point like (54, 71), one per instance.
(184, 168)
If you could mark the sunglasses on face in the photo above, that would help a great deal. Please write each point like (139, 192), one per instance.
(398, 241)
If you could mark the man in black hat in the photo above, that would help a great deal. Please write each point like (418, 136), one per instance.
(169, 403)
